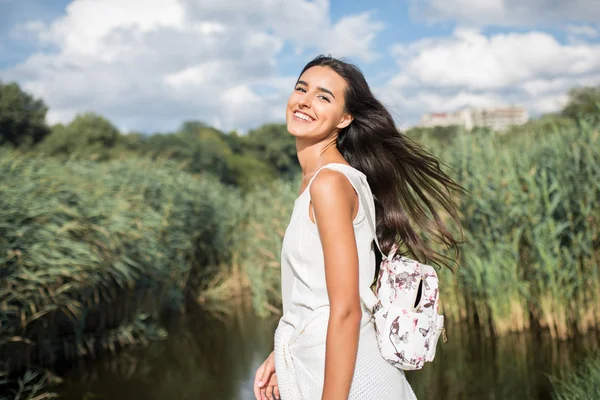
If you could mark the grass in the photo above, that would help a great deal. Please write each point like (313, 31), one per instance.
(582, 383)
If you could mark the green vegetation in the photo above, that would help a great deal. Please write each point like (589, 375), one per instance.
(262, 155)
(584, 103)
(92, 253)
(100, 232)
(22, 118)
(90, 248)
(87, 136)
(581, 384)
(531, 224)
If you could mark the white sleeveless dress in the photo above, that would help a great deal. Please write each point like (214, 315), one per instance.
(302, 331)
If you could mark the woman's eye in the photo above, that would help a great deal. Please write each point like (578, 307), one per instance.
(325, 98)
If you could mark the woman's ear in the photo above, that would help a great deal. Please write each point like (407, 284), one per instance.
(345, 121)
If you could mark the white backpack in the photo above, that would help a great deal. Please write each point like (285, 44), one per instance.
(407, 334)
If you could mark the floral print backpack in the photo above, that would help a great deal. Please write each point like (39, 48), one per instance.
(408, 328)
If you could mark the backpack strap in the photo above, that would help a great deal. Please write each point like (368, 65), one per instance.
(369, 204)
(366, 294)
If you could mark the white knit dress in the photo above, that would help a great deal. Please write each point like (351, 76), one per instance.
(301, 334)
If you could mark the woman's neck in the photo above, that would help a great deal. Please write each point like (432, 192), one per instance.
(314, 155)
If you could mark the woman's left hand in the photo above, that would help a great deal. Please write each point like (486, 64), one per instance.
(270, 389)
(265, 380)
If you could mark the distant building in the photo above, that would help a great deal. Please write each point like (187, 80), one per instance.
(441, 119)
(496, 118)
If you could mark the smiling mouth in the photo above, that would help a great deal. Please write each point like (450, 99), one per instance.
(303, 117)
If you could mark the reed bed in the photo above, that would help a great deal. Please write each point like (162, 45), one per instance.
(90, 254)
(531, 224)
(531, 221)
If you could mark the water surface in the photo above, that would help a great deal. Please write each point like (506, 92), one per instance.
(215, 358)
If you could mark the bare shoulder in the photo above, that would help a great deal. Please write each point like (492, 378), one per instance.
(332, 187)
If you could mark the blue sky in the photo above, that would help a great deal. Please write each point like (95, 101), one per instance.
(149, 65)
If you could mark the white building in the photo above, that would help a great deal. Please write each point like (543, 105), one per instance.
(441, 119)
(495, 118)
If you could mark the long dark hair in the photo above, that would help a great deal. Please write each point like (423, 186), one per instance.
(406, 180)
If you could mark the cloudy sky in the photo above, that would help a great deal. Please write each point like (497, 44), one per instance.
(148, 65)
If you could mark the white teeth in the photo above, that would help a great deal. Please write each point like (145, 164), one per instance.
(304, 117)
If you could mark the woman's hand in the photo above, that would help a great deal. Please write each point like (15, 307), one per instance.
(265, 380)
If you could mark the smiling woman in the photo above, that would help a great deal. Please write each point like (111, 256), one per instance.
(313, 108)
(347, 143)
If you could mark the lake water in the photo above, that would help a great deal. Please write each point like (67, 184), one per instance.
(215, 358)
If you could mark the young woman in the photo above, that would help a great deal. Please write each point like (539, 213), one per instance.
(325, 343)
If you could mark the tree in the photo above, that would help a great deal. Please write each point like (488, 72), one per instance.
(59, 142)
(88, 135)
(22, 117)
(93, 130)
(133, 141)
(210, 153)
(247, 172)
(273, 144)
(199, 147)
(584, 102)
(192, 127)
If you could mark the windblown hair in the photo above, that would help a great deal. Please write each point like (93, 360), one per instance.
(407, 181)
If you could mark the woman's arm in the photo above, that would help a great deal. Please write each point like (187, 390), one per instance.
(335, 204)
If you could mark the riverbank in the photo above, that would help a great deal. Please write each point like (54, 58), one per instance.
(93, 253)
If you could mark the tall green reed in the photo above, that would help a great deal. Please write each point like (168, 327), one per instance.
(531, 227)
(89, 249)
(531, 221)
(582, 383)
(90, 254)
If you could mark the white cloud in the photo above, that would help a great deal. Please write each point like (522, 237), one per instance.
(582, 30)
(91, 28)
(152, 64)
(474, 60)
(242, 104)
(353, 36)
(470, 69)
(508, 12)
(577, 34)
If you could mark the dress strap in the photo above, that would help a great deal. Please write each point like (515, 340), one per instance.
(336, 167)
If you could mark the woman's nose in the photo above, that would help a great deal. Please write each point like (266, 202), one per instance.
(304, 101)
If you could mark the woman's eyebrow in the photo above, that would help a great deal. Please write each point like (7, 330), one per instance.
(321, 89)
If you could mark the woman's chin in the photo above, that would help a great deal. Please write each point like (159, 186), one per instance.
(299, 130)
(294, 130)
